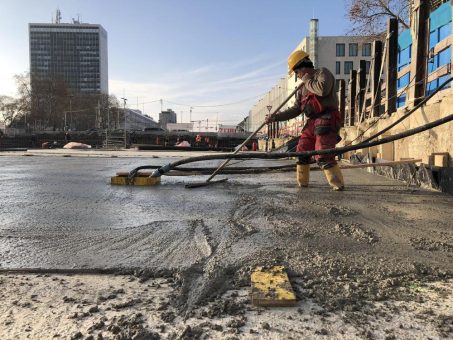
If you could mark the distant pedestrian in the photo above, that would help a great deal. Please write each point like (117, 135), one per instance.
(67, 137)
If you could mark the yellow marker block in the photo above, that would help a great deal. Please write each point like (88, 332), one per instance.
(139, 180)
(271, 287)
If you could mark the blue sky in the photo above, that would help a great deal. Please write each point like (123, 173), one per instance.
(194, 52)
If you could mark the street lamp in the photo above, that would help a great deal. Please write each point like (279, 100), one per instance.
(124, 113)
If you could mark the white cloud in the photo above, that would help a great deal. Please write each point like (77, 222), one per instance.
(212, 84)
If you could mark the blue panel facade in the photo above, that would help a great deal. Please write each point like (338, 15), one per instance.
(440, 16)
(404, 59)
(401, 100)
(403, 81)
(433, 85)
(440, 28)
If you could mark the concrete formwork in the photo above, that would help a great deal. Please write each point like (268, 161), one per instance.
(420, 146)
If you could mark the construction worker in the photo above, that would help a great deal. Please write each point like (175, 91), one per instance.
(318, 101)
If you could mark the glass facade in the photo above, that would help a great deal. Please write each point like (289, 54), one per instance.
(76, 53)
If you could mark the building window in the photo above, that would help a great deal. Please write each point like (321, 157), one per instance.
(348, 66)
(340, 50)
(337, 67)
(366, 50)
(353, 50)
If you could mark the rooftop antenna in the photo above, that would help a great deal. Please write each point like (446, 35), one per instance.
(58, 16)
(313, 13)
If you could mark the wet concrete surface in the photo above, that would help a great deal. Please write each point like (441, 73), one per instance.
(370, 242)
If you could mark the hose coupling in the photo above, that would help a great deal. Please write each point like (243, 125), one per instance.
(162, 170)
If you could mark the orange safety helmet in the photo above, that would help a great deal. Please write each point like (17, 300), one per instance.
(294, 58)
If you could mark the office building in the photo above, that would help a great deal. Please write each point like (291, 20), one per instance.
(165, 117)
(340, 54)
(73, 52)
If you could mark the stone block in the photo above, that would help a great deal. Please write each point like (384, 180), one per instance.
(441, 159)
(386, 151)
(271, 288)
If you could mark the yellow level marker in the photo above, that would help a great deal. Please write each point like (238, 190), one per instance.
(142, 180)
(271, 288)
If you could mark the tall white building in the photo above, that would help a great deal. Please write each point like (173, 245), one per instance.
(340, 54)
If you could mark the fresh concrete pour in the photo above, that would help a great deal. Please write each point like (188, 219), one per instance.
(368, 243)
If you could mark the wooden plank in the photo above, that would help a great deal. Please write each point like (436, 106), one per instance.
(391, 59)
(140, 181)
(404, 70)
(271, 288)
(442, 71)
(361, 90)
(443, 44)
(401, 91)
(342, 100)
(351, 98)
(372, 165)
(375, 89)
(419, 27)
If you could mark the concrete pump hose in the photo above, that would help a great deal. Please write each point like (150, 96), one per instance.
(416, 107)
(159, 172)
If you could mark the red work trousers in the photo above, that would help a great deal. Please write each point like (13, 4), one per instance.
(320, 134)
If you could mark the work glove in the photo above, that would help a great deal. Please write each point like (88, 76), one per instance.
(305, 78)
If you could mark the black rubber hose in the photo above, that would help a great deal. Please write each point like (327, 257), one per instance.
(231, 171)
(419, 105)
(190, 169)
(162, 170)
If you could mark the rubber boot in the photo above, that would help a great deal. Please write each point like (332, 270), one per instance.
(303, 174)
(335, 177)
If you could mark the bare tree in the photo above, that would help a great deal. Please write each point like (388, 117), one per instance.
(46, 102)
(109, 103)
(369, 17)
(49, 101)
